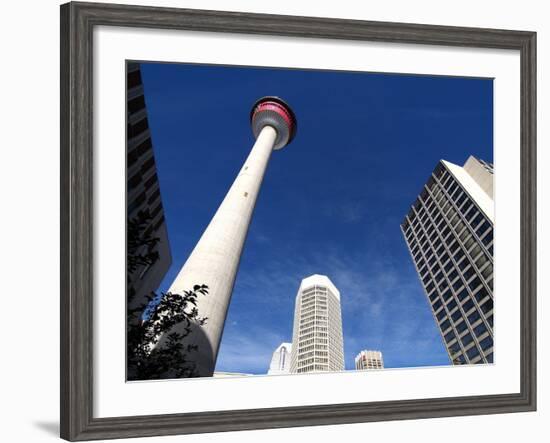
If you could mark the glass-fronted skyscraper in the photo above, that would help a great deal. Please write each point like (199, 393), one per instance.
(369, 360)
(317, 340)
(449, 232)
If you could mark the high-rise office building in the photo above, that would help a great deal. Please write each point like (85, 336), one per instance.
(143, 195)
(317, 341)
(280, 362)
(449, 232)
(369, 360)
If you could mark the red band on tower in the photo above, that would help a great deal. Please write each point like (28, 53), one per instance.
(276, 107)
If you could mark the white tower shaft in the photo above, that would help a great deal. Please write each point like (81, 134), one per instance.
(215, 259)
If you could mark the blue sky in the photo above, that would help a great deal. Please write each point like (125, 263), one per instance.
(331, 202)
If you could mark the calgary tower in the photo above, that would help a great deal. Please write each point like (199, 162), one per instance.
(215, 258)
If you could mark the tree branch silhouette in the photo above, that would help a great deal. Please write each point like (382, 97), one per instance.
(146, 360)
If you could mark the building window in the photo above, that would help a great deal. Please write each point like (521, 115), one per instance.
(472, 352)
(450, 336)
(487, 306)
(134, 181)
(456, 315)
(486, 343)
(462, 294)
(473, 317)
(475, 283)
(480, 329)
(451, 305)
(136, 104)
(481, 294)
(461, 327)
(467, 339)
(468, 305)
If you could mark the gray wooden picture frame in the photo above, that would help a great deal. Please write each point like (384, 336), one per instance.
(77, 23)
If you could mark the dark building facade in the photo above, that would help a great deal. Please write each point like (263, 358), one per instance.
(449, 233)
(143, 192)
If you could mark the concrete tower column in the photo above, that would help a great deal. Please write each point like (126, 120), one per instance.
(215, 258)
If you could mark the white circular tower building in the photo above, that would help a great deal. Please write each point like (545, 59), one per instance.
(215, 258)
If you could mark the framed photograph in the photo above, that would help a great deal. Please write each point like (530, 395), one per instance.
(272, 221)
